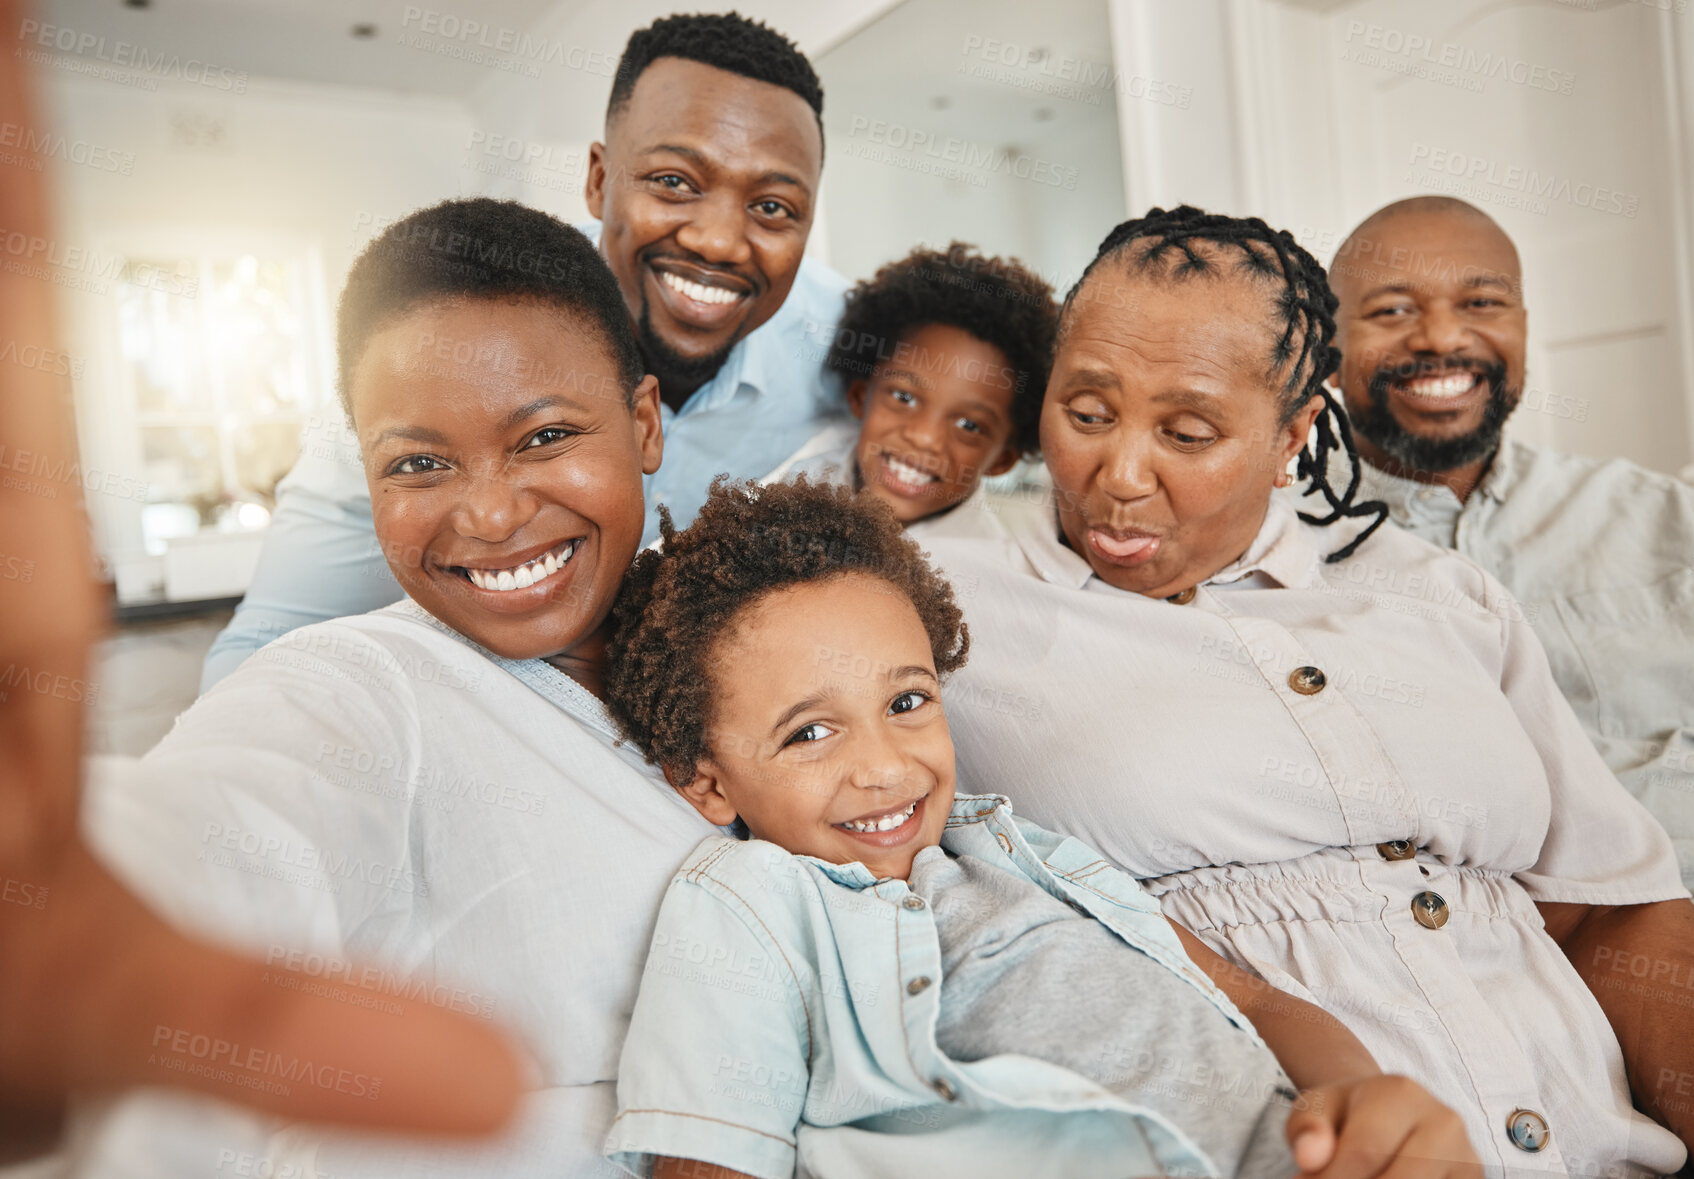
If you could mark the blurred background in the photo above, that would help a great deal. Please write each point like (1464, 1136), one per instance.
(219, 163)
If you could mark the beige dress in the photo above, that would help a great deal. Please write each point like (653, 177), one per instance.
(1355, 778)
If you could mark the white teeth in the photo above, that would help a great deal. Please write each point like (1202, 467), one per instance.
(886, 823)
(1447, 386)
(699, 292)
(907, 473)
(523, 576)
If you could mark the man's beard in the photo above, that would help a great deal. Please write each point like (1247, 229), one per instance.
(665, 362)
(1378, 425)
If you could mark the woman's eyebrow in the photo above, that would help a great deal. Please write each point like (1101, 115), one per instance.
(534, 407)
(411, 434)
(1092, 375)
(1187, 398)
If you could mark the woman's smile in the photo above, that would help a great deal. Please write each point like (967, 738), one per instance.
(520, 582)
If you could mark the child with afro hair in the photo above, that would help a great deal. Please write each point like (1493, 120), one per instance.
(878, 974)
(945, 354)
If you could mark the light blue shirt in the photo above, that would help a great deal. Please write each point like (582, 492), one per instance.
(786, 1024)
(1601, 554)
(321, 561)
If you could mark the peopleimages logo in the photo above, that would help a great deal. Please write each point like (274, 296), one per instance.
(128, 55)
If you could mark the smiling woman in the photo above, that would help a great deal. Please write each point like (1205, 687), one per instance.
(398, 786)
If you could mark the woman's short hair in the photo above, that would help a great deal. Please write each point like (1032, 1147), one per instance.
(480, 248)
(748, 541)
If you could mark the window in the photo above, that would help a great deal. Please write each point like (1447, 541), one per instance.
(222, 359)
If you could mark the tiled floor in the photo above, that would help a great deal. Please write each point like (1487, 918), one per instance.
(147, 673)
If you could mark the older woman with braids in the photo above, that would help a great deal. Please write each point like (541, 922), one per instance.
(1333, 750)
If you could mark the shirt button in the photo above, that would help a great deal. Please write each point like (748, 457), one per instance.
(918, 985)
(1308, 681)
(1396, 849)
(1185, 597)
(1527, 1130)
(912, 901)
(1430, 909)
(946, 1090)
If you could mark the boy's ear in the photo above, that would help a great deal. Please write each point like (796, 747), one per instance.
(856, 399)
(704, 792)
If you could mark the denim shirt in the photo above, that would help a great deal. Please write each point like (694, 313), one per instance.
(786, 1024)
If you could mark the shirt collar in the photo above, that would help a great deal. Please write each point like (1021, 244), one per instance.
(1284, 550)
(967, 808)
(745, 364)
(1400, 493)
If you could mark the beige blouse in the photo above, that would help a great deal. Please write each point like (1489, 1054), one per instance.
(1354, 778)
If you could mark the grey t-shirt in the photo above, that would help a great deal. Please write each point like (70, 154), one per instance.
(1023, 972)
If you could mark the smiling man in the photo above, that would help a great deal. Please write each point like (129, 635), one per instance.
(1432, 329)
(706, 188)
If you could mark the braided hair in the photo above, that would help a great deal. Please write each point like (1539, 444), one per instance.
(1164, 243)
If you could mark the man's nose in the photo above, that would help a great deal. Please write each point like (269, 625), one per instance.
(1439, 330)
(717, 231)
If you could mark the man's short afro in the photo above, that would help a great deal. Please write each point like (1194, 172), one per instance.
(724, 40)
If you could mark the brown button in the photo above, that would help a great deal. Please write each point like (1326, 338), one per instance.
(1527, 1130)
(912, 901)
(1396, 849)
(918, 985)
(1308, 681)
(1185, 597)
(941, 1086)
(1430, 909)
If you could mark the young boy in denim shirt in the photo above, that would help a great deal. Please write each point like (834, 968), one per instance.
(945, 354)
(890, 978)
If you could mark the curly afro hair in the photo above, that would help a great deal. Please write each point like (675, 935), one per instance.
(997, 300)
(482, 248)
(747, 541)
(724, 40)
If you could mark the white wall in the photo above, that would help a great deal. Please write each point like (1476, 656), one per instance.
(312, 168)
(1310, 115)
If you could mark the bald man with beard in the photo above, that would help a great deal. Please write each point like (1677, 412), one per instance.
(1600, 553)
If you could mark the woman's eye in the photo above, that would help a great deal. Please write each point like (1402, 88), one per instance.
(548, 436)
(417, 464)
(908, 702)
(1082, 418)
(812, 732)
(1190, 441)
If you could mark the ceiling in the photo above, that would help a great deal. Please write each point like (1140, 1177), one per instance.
(424, 52)
(937, 66)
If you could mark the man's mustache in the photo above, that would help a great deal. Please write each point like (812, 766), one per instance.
(1407, 370)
